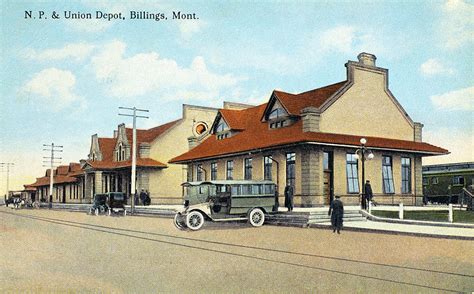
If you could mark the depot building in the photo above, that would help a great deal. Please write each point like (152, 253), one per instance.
(312, 141)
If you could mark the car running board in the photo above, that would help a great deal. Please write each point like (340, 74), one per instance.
(229, 219)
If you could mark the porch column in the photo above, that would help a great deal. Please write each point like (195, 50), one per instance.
(98, 182)
(418, 181)
(311, 176)
(87, 189)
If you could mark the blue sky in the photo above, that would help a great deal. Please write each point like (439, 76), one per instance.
(63, 80)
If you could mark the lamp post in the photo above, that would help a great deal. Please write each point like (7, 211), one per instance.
(363, 153)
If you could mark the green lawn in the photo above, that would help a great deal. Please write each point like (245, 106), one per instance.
(460, 216)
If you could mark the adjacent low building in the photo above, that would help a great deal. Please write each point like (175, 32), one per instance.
(310, 141)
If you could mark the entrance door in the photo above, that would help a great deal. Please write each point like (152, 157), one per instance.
(328, 185)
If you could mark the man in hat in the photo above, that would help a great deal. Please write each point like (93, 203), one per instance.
(336, 211)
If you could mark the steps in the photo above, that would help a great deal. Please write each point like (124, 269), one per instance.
(323, 217)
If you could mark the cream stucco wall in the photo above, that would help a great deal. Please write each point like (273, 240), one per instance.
(366, 109)
(165, 184)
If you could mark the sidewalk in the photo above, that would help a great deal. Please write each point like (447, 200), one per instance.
(407, 229)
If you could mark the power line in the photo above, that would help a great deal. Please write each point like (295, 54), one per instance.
(52, 163)
(7, 164)
(134, 148)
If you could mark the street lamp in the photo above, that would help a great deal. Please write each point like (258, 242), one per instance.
(363, 153)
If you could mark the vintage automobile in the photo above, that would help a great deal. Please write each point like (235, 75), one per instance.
(108, 203)
(99, 206)
(116, 203)
(226, 201)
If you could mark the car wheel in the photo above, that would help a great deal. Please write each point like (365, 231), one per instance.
(194, 220)
(96, 212)
(256, 217)
(178, 222)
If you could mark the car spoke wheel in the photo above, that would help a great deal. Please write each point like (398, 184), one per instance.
(256, 217)
(194, 220)
(178, 222)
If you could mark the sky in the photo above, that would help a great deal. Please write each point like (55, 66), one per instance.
(62, 80)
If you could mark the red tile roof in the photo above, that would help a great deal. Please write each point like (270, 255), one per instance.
(233, 119)
(294, 103)
(62, 170)
(107, 146)
(44, 181)
(150, 135)
(257, 135)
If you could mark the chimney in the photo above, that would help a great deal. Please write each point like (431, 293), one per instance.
(367, 59)
(418, 132)
(311, 117)
(144, 150)
(192, 142)
(115, 134)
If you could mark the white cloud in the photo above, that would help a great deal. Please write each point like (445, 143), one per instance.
(188, 28)
(457, 23)
(54, 87)
(461, 99)
(145, 73)
(77, 51)
(460, 144)
(435, 67)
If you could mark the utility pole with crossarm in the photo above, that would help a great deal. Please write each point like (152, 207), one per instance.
(134, 150)
(52, 163)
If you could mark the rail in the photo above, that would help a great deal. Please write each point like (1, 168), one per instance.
(466, 198)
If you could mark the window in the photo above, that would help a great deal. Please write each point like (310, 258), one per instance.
(213, 171)
(223, 136)
(222, 126)
(267, 168)
(276, 113)
(120, 153)
(352, 173)
(230, 170)
(290, 169)
(248, 168)
(278, 124)
(434, 181)
(406, 175)
(327, 158)
(199, 172)
(387, 175)
(425, 181)
(458, 180)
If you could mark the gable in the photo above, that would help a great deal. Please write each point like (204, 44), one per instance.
(367, 108)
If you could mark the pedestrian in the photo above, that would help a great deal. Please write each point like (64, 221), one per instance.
(142, 196)
(369, 195)
(289, 197)
(136, 199)
(147, 198)
(336, 211)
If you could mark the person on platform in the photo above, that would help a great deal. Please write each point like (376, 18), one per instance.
(369, 194)
(336, 211)
(289, 198)
(142, 196)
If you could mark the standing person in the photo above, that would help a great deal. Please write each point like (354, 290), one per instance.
(142, 196)
(147, 198)
(289, 198)
(336, 211)
(136, 199)
(369, 194)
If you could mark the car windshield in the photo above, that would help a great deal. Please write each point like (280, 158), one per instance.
(117, 196)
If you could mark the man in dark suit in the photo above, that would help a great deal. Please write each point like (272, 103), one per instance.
(336, 211)
(369, 194)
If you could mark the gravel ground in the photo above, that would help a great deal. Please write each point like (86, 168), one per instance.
(58, 251)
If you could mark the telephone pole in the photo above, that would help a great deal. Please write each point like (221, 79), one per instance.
(134, 149)
(52, 163)
(7, 164)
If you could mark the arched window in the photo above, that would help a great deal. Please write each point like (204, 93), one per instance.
(121, 153)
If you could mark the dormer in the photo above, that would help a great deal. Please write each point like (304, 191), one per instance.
(221, 129)
(122, 146)
(276, 114)
(94, 153)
